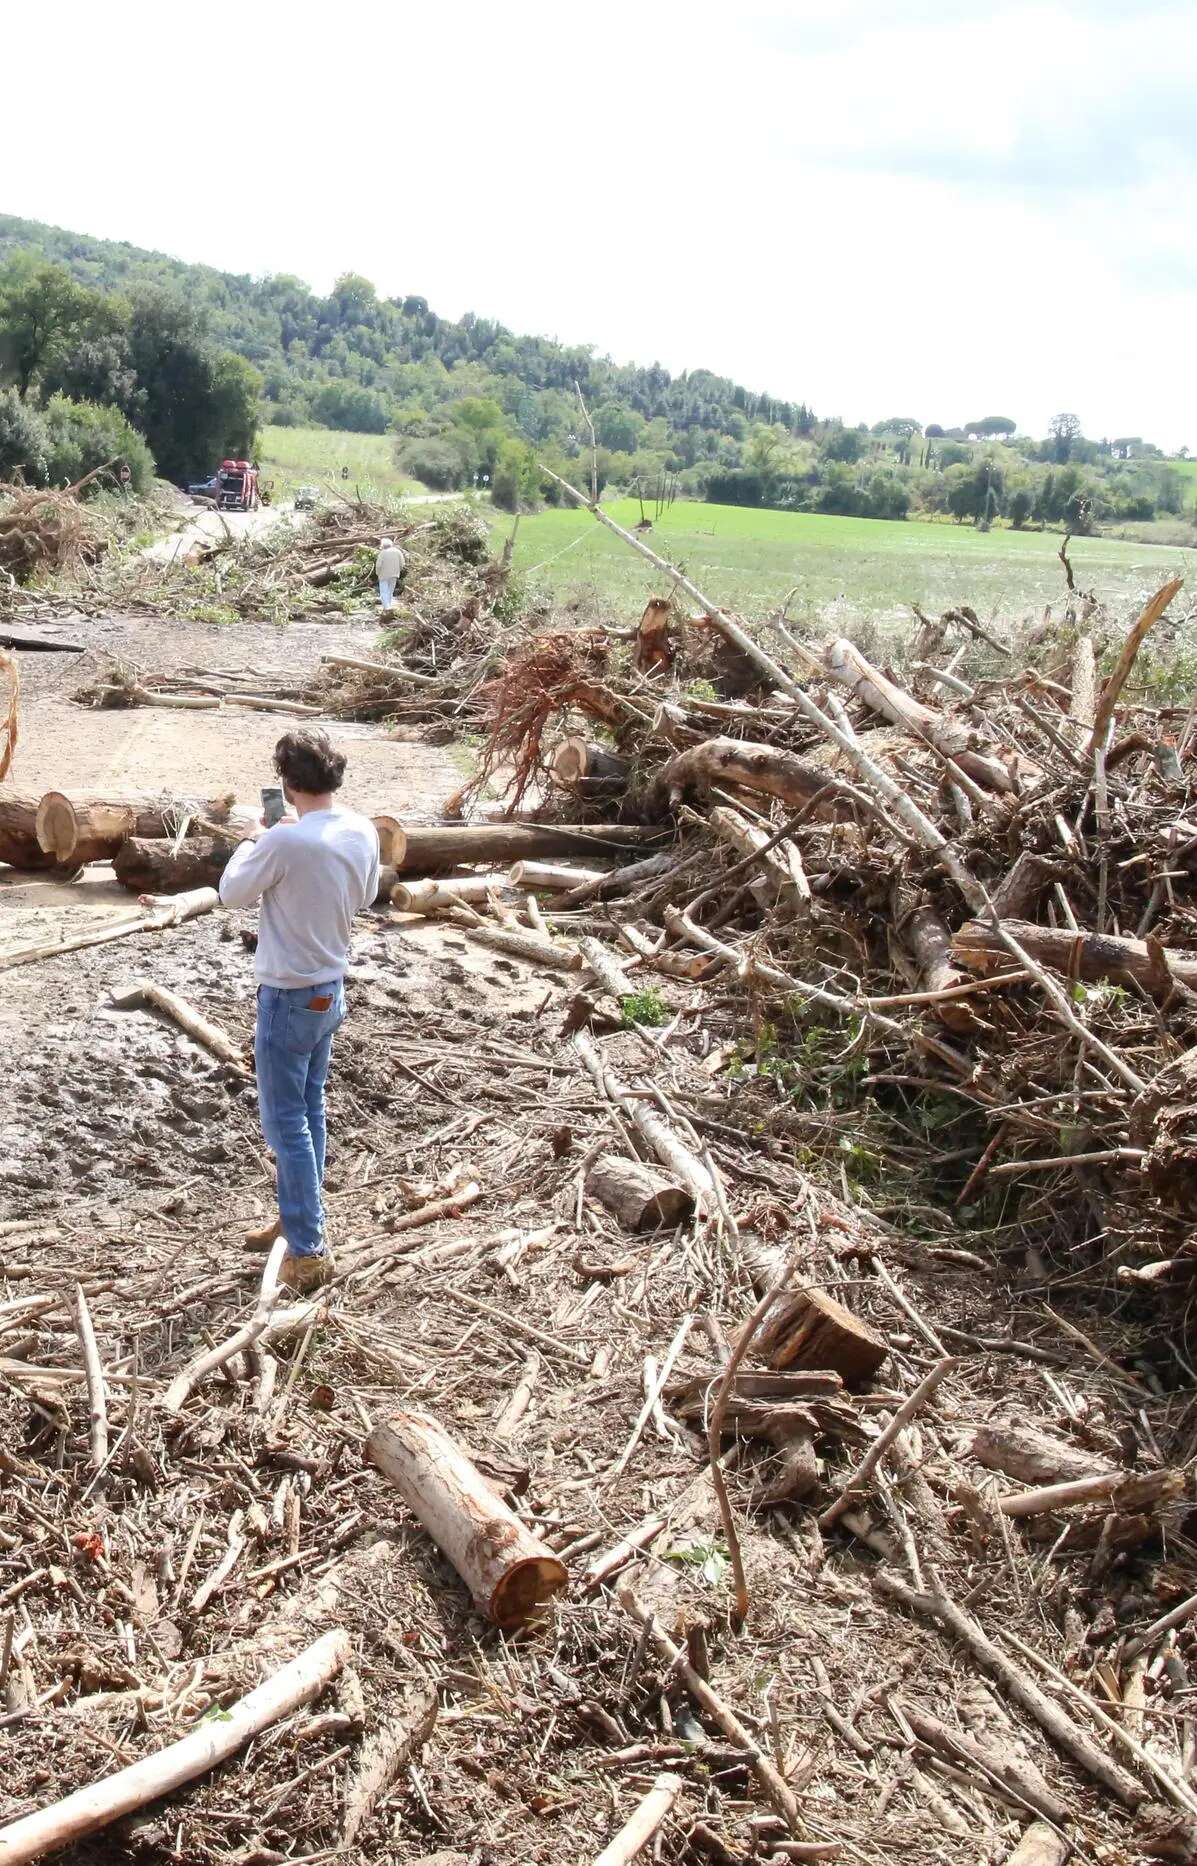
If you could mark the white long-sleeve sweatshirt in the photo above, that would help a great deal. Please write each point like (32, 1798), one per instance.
(311, 878)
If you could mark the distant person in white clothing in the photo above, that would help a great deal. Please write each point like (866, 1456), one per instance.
(311, 876)
(389, 566)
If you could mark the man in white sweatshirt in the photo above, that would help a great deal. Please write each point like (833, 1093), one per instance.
(311, 876)
(389, 566)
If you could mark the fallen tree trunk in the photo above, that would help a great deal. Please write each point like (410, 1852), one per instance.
(508, 1572)
(637, 1195)
(153, 865)
(954, 740)
(91, 829)
(38, 644)
(762, 768)
(532, 948)
(211, 1742)
(446, 845)
(552, 877)
(1090, 956)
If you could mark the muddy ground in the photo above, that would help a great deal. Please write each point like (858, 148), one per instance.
(131, 1161)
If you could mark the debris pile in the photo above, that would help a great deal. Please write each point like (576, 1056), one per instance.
(758, 1308)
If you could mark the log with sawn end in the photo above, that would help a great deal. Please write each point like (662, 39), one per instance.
(1080, 954)
(639, 1196)
(447, 845)
(509, 1573)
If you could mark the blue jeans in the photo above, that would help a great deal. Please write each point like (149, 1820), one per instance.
(292, 1051)
(386, 591)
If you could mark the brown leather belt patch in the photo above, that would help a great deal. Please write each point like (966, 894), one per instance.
(319, 1004)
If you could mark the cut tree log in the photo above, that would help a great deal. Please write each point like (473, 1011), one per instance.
(532, 948)
(639, 1196)
(552, 877)
(211, 1742)
(23, 643)
(77, 830)
(581, 765)
(1123, 1491)
(809, 1328)
(143, 991)
(954, 740)
(437, 895)
(657, 1135)
(622, 880)
(931, 945)
(642, 1823)
(448, 845)
(1080, 954)
(509, 1573)
(780, 879)
(153, 865)
(19, 845)
(1034, 1458)
(762, 768)
(1002, 1765)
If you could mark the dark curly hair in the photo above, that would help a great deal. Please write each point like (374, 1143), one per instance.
(307, 760)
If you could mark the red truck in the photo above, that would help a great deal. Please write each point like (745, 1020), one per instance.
(237, 487)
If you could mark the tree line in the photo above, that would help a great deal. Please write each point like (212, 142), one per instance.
(88, 376)
(183, 353)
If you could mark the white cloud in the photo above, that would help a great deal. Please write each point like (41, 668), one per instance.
(876, 207)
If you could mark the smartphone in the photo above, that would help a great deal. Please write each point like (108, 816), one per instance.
(273, 804)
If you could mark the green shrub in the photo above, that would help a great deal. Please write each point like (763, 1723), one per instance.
(646, 1006)
(24, 442)
(83, 436)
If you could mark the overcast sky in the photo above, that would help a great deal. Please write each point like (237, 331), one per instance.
(884, 209)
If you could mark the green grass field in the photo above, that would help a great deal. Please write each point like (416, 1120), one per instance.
(292, 457)
(846, 569)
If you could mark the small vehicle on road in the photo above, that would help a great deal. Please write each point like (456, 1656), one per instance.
(237, 487)
(307, 498)
(202, 488)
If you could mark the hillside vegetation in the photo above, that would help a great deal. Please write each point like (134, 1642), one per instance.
(470, 403)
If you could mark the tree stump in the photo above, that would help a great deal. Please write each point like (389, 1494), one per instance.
(811, 1329)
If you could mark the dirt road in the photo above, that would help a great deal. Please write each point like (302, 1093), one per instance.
(203, 525)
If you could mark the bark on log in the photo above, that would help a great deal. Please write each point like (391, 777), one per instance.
(658, 1136)
(1022, 887)
(622, 880)
(777, 877)
(845, 663)
(73, 829)
(19, 846)
(437, 895)
(1001, 1764)
(1083, 704)
(637, 1195)
(1033, 1458)
(446, 845)
(809, 1328)
(1041, 1845)
(385, 1752)
(652, 649)
(150, 865)
(552, 877)
(581, 763)
(508, 1572)
(1090, 956)
(530, 947)
(762, 768)
(211, 1742)
(931, 945)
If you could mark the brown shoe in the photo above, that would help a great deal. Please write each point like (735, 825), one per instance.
(264, 1236)
(305, 1274)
